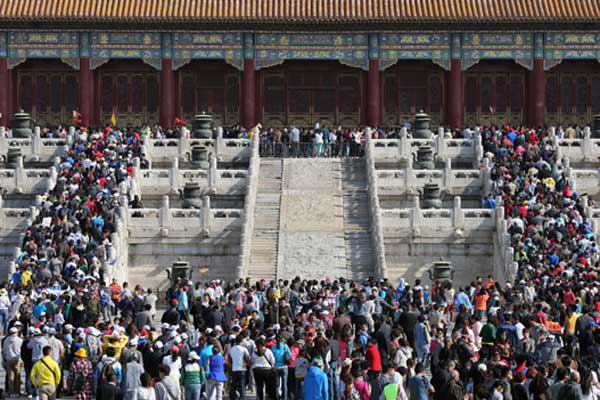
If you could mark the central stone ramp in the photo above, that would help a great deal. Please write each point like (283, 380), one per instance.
(311, 237)
(265, 238)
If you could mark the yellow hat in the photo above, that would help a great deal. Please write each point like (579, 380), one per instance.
(81, 353)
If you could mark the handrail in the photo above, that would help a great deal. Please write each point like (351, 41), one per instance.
(377, 239)
(249, 205)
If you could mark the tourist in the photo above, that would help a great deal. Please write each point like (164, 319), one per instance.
(315, 382)
(81, 375)
(418, 386)
(133, 372)
(46, 375)
(239, 359)
(145, 391)
(11, 360)
(192, 377)
(216, 377)
(264, 371)
(282, 354)
(109, 389)
(167, 388)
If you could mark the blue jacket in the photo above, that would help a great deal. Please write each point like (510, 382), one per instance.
(462, 298)
(315, 385)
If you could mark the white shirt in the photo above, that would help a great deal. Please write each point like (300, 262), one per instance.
(175, 366)
(4, 303)
(265, 361)
(239, 354)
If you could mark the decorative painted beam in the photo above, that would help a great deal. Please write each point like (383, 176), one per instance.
(348, 47)
(271, 48)
(189, 46)
(497, 45)
(127, 45)
(394, 46)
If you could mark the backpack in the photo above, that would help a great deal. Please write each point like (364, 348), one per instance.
(79, 382)
(106, 370)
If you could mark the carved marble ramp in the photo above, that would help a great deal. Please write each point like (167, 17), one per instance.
(360, 257)
(311, 238)
(265, 237)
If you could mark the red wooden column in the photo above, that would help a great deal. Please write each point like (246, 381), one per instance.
(85, 91)
(249, 94)
(454, 106)
(4, 92)
(167, 101)
(537, 94)
(374, 94)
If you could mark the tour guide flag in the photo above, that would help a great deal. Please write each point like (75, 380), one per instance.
(113, 119)
(77, 120)
(179, 121)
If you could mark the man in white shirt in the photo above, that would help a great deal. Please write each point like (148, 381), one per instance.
(239, 359)
(11, 355)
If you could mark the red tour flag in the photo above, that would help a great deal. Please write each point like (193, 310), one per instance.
(179, 121)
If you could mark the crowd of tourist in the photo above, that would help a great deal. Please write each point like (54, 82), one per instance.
(73, 330)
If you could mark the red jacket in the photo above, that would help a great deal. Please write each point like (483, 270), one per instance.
(374, 358)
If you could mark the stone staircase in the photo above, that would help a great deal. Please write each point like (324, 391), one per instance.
(265, 238)
(360, 257)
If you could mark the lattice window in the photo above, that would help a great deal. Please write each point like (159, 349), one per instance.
(122, 93)
(471, 94)
(405, 101)
(516, 93)
(26, 92)
(274, 94)
(566, 94)
(435, 93)
(596, 94)
(501, 94)
(107, 93)
(137, 93)
(485, 94)
(349, 94)
(390, 94)
(324, 101)
(552, 94)
(55, 93)
(41, 93)
(187, 94)
(71, 93)
(152, 94)
(204, 95)
(299, 101)
(233, 93)
(218, 100)
(581, 95)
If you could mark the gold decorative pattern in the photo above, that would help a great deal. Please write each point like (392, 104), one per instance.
(277, 11)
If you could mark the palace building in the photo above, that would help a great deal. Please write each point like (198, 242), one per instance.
(298, 62)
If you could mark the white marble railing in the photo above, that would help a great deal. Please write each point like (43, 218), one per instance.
(194, 222)
(29, 181)
(504, 254)
(377, 240)
(35, 148)
(421, 220)
(454, 181)
(164, 150)
(249, 205)
(585, 149)
(464, 150)
(212, 180)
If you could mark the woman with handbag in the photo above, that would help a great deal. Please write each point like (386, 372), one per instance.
(283, 356)
(263, 367)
